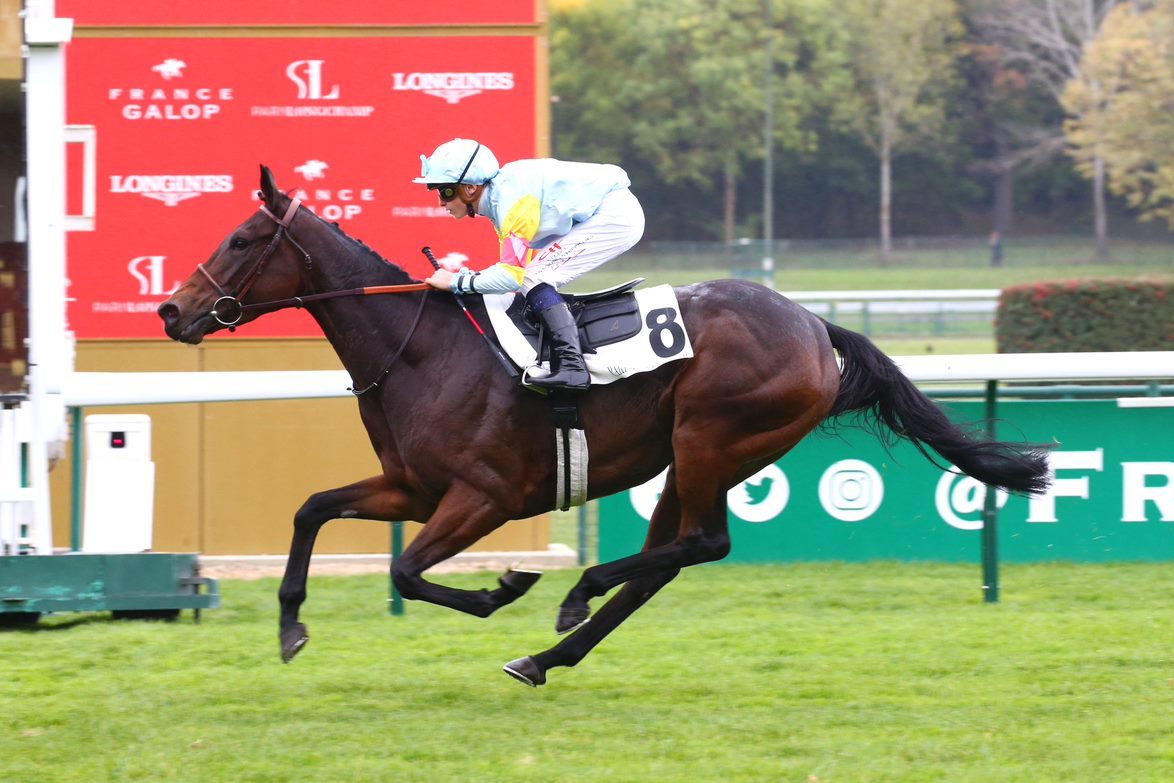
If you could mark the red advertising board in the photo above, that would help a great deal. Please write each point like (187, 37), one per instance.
(298, 12)
(182, 126)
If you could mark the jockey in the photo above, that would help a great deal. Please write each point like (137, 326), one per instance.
(554, 220)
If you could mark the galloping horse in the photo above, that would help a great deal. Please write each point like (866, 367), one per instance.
(464, 448)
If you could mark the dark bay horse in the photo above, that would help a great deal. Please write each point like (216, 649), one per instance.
(464, 449)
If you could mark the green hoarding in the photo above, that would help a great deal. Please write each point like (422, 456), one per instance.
(842, 496)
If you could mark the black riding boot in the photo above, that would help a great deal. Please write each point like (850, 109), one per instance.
(568, 370)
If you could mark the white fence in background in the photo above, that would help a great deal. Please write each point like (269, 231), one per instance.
(84, 389)
(947, 295)
(940, 307)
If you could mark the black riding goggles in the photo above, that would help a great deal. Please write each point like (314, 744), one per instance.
(447, 192)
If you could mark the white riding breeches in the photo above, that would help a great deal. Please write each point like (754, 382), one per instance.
(615, 227)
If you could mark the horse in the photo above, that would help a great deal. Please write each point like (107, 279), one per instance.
(464, 448)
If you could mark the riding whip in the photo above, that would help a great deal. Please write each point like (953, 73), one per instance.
(501, 357)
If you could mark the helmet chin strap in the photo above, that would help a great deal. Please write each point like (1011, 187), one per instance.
(461, 180)
(469, 208)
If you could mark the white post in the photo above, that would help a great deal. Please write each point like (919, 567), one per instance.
(49, 352)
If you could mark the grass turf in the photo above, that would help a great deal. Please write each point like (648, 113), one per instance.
(867, 279)
(811, 672)
(898, 334)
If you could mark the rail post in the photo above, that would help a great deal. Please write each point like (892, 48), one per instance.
(397, 547)
(583, 534)
(77, 446)
(990, 510)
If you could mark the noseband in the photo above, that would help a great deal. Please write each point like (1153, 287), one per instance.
(227, 309)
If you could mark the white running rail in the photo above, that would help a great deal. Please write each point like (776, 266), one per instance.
(84, 389)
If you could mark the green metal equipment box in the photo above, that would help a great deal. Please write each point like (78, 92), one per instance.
(134, 585)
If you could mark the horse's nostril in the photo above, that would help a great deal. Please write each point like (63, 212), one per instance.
(168, 312)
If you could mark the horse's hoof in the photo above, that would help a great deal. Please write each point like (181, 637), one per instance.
(526, 671)
(292, 641)
(519, 581)
(571, 617)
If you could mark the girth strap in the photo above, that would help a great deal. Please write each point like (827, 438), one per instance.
(570, 486)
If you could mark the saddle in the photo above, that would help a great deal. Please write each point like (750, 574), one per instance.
(603, 317)
(623, 331)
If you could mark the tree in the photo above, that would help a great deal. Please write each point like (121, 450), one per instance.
(665, 86)
(674, 88)
(698, 92)
(1122, 110)
(1045, 40)
(903, 55)
(1012, 118)
(592, 45)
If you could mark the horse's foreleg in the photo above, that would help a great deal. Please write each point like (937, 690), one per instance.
(369, 499)
(462, 518)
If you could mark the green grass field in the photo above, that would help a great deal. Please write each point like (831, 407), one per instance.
(812, 267)
(913, 278)
(814, 672)
(875, 278)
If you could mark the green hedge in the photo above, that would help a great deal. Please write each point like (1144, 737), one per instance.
(1087, 315)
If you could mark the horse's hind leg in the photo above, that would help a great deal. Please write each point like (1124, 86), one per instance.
(531, 670)
(716, 443)
(702, 536)
(662, 529)
(371, 498)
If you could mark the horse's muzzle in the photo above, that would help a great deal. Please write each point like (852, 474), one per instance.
(175, 326)
(170, 315)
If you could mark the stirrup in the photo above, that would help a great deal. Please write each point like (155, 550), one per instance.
(548, 382)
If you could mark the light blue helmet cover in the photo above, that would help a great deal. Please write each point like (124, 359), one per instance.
(445, 165)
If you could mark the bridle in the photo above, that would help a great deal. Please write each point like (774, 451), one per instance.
(228, 308)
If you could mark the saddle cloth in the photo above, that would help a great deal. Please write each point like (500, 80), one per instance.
(655, 332)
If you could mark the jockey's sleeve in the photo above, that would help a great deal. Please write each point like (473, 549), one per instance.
(514, 237)
(497, 279)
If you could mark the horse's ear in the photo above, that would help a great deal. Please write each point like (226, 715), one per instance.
(269, 190)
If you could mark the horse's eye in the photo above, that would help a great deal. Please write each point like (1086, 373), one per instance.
(238, 242)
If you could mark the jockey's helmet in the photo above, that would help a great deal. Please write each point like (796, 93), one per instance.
(457, 162)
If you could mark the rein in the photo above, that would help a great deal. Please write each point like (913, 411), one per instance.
(300, 301)
(228, 309)
(398, 352)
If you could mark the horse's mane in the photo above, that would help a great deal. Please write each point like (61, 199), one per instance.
(366, 257)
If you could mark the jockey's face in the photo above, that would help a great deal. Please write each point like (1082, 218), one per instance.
(455, 198)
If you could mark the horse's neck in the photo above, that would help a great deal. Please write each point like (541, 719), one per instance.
(365, 331)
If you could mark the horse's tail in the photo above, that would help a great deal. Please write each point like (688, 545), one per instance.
(873, 385)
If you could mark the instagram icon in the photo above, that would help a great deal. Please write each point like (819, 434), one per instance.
(851, 490)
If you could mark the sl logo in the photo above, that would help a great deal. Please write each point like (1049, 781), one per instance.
(148, 271)
(307, 75)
